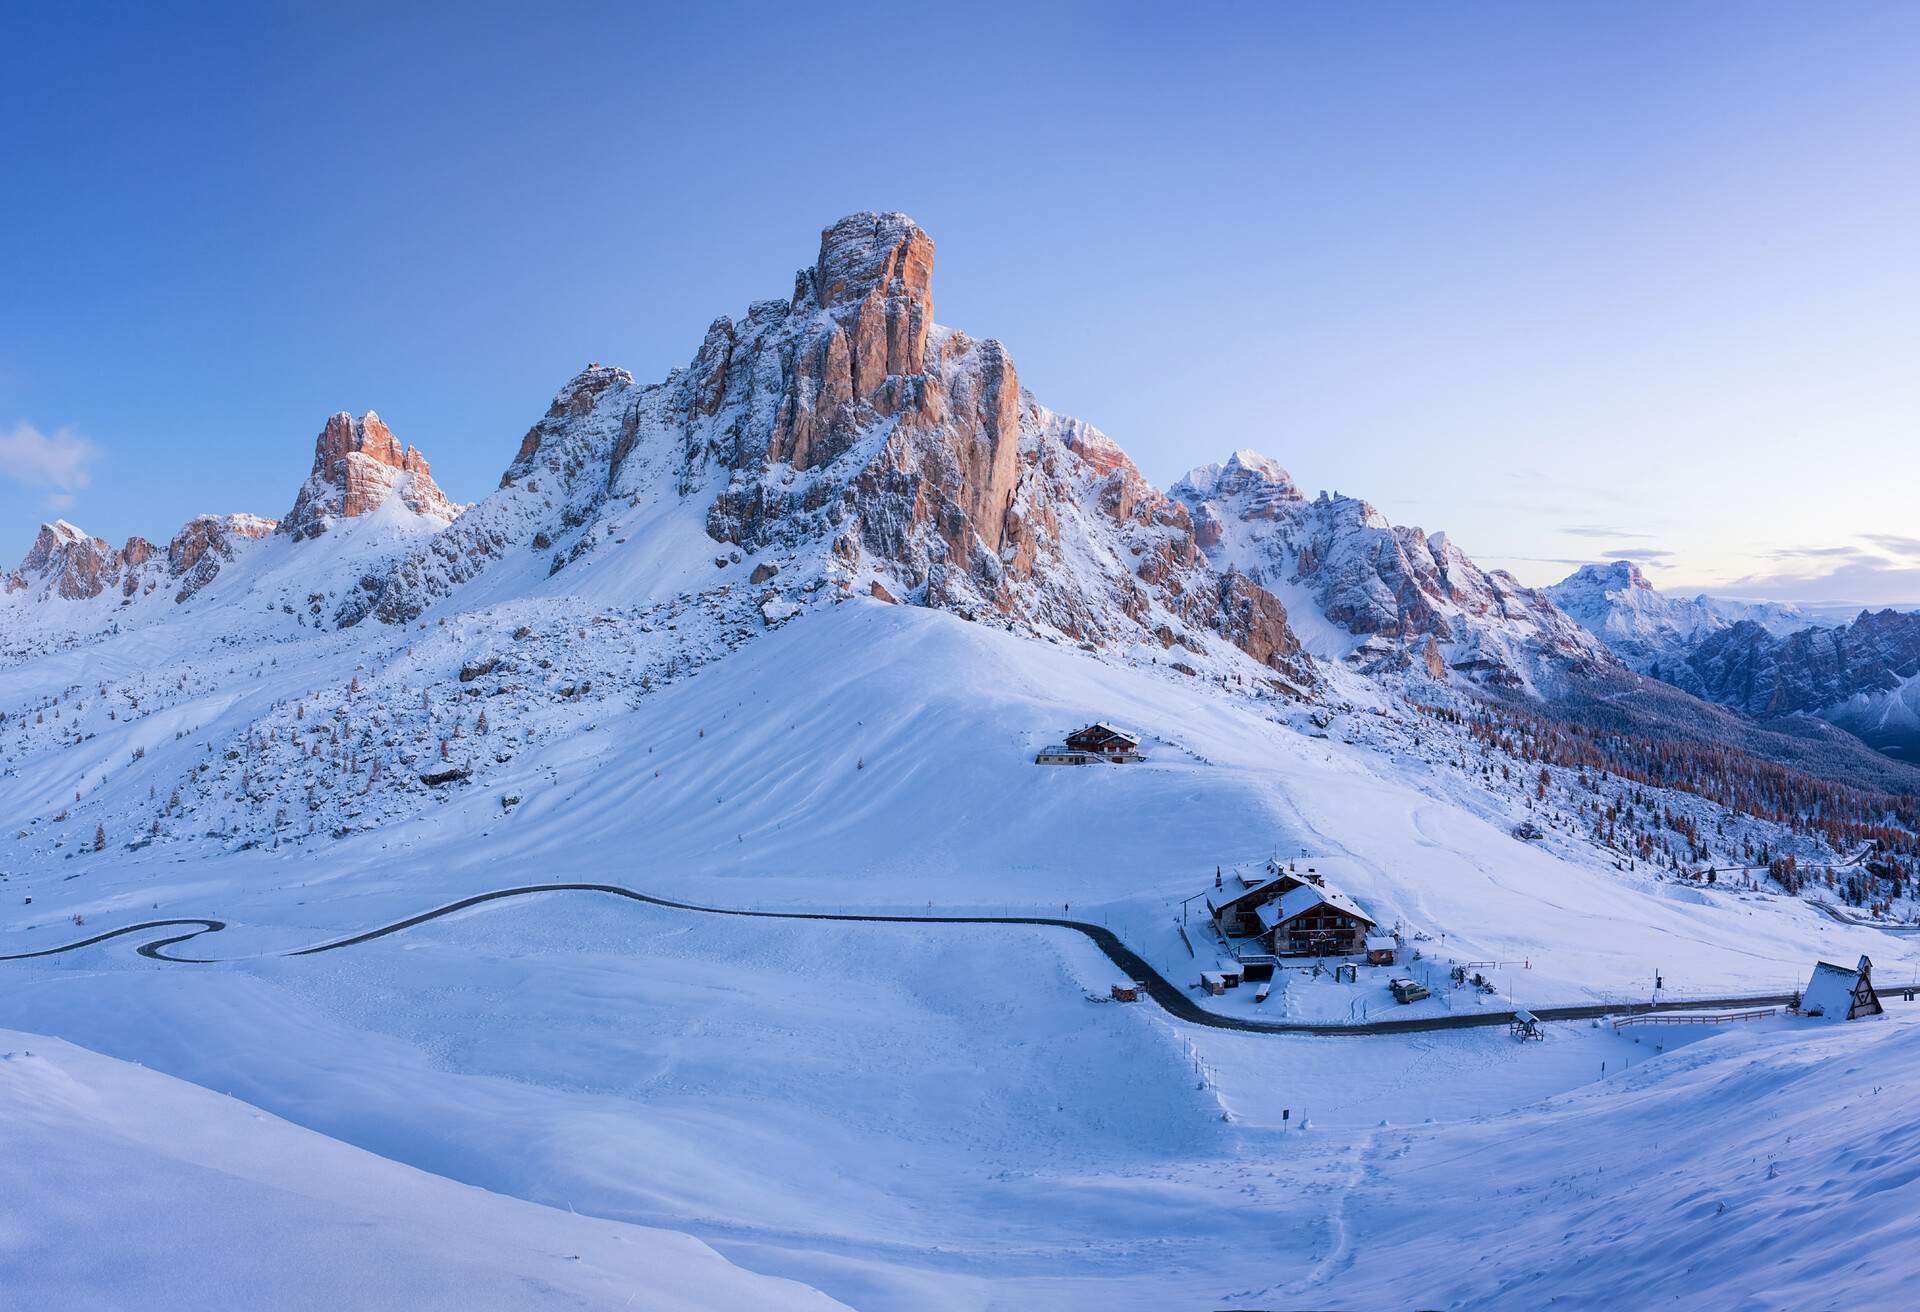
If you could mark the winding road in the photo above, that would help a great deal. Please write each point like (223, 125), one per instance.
(1131, 965)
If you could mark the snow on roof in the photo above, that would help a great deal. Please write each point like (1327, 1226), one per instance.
(1101, 726)
(1299, 901)
(1381, 943)
(1255, 886)
(1830, 992)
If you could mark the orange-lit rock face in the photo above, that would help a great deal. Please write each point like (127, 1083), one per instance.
(77, 566)
(358, 464)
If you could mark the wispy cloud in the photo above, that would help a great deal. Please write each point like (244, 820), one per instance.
(1845, 552)
(1894, 544)
(1601, 531)
(61, 461)
(1835, 577)
(1644, 555)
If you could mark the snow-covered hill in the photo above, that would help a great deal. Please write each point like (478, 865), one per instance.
(148, 1191)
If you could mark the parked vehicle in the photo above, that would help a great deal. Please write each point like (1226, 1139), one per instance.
(1408, 990)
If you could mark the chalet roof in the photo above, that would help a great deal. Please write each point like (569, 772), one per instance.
(1830, 991)
(1381, 943)
(1258, 890)
(1101, 729)
(1298, 901)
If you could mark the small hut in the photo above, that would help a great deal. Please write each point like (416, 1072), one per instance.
(1380, 949)
(1836, 993)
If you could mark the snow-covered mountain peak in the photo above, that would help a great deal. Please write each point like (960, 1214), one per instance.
(1253, 485)
(867, 252)
(66, 561)
(1393, 598)
(358, 465)
(839, 443)
(1651, 631)
(1608, 576)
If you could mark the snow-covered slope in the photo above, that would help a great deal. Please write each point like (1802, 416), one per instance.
(122, 1187)
(1392, 598)
(1653, 632)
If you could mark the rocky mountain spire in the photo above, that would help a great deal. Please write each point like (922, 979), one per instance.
(358, 464)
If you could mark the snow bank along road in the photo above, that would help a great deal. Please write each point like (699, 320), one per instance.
(1170, 997)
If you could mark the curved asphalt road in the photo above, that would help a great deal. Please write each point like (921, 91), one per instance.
(1171, 998)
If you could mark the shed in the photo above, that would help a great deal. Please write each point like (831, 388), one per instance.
(1380, 949)
(1837, 993)
(1127, 991)
(1213, 981)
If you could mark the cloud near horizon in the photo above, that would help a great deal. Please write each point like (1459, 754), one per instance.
(62, 461)
(1883, 572)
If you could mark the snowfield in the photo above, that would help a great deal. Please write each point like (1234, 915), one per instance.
(146, 1191)
(937, 1116)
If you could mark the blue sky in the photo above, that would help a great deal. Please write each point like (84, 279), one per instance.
(1569, 281)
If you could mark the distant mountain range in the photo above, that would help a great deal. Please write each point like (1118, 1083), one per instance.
(1763, 660)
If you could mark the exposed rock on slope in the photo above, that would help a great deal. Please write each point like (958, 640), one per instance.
(1411, 601)
(206, 543)
(1863, 676)
(65, 562)
(842, 431)
(358, 465)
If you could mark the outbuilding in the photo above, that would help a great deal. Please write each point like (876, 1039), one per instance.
(1837, 993)
(1381, 949)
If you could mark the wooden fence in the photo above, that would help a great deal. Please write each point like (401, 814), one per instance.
(1692, 1018)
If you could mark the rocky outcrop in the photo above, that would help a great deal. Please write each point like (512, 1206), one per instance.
(205, 543)
(358, 466)
(1870, 662)
(1403, 599)
(64, 561)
